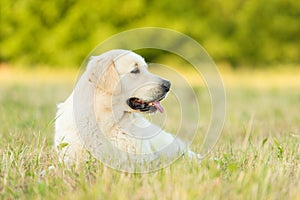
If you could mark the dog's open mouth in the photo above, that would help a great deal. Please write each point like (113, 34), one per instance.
(145, 106)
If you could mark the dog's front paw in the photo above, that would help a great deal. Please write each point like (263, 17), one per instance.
(192, 155)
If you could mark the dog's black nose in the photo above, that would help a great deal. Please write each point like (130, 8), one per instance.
(166, 85)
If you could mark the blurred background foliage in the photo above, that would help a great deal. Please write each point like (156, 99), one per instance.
(61, 33)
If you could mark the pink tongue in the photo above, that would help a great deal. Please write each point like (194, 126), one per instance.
(158, 106)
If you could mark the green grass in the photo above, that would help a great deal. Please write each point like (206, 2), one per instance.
(257, 156)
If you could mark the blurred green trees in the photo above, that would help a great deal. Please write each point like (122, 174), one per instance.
(240, 32)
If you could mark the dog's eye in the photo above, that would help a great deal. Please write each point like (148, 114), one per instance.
(135, 71)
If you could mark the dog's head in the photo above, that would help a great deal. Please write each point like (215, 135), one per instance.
(127, 79)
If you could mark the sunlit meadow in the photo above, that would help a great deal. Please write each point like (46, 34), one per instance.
(257, 156)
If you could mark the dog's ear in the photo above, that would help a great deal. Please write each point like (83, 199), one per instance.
(109, 81)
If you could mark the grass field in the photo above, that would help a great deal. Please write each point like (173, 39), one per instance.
(257, 156)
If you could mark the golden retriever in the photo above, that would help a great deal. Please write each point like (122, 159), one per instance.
(121, 89)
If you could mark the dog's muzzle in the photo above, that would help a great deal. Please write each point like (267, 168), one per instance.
(153, 105)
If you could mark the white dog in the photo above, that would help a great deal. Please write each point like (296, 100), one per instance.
(114, 89)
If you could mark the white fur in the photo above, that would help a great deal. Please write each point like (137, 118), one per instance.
(109, 84)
